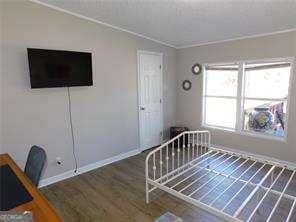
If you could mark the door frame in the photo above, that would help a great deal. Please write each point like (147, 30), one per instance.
(139, 53)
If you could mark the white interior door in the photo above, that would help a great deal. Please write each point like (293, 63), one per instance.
(150, 99)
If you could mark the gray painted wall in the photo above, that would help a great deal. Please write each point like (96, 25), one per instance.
(105, 115)
(189, 103)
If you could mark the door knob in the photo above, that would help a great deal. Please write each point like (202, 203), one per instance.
(142, 108)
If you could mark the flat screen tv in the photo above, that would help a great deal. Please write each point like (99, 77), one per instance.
(55, 68)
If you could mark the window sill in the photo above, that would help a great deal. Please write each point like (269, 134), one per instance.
(246, 133)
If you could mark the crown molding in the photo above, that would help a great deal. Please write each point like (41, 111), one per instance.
(235, 39)
(101, 23)
(155, 40)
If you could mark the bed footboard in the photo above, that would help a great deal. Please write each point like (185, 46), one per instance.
(164, 163)
(233, 186)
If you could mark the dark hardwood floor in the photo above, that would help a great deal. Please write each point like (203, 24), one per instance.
(117, 193)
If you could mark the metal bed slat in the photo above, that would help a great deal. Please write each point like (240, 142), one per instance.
(205, 174)
(262, 199)
(201, 176)
(200, 169)
(246, 183)
(277, 192)
(254, 184)
(291, 211)
(195, 191)
(201, 205)
(197, 151)
(253, 192)
(224, 179)
(237, 179)
(258, 159)
(280, 197)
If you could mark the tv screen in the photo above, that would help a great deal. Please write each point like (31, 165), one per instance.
(55, 68)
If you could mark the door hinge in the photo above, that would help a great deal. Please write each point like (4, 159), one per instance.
(160, 67)
(160, 101)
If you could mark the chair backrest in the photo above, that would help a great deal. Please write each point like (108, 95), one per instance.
(35, 163)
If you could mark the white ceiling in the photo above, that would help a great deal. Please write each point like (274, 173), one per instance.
(182, 23)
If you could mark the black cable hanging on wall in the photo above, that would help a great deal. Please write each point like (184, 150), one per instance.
(72, 131)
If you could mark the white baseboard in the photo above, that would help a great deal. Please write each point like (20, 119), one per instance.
(86, 168)
(259, 157)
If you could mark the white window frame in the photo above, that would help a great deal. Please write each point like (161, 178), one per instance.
(239, 126)
(210, 96)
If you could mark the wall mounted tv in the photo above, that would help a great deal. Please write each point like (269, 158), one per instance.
(55, 68)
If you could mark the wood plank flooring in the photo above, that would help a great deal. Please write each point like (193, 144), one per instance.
(117, 193)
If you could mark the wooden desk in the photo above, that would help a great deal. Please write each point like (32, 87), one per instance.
(41, 208)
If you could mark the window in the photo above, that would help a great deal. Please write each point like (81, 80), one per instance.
(220, 95)
(247, 97)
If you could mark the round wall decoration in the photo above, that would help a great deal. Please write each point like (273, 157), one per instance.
(196, 69)
(186, 85)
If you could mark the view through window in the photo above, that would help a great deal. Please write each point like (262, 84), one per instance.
(247, 96)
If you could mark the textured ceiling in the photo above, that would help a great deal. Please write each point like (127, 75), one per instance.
(182, 23)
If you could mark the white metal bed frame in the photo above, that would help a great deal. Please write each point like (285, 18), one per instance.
(188, 151)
